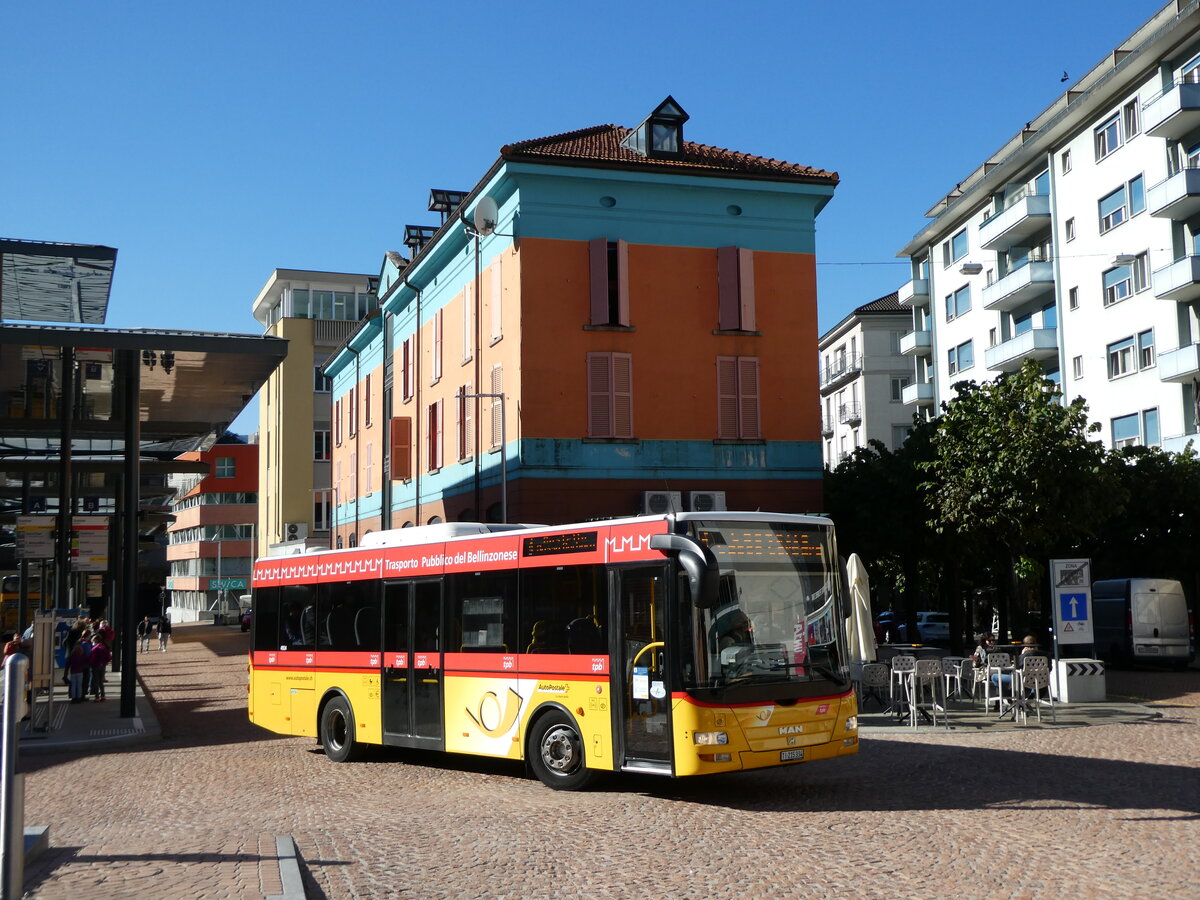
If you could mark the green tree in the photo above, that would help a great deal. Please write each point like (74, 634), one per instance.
(1013, 471)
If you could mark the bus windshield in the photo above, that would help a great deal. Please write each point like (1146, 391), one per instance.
(778, 617)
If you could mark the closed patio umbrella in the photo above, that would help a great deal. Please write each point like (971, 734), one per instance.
(860, 633)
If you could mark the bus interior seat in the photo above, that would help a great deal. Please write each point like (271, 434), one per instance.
(584, 636)
(366, 627)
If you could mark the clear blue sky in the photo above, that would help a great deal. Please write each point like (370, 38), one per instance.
(213, 142)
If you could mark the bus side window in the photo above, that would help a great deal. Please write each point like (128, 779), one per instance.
(298, 617)
(266, 618)
(483, 609)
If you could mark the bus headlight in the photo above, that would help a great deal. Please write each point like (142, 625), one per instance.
(851, 723)
(709, 738)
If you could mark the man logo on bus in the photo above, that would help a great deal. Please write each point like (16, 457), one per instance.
(493, 721)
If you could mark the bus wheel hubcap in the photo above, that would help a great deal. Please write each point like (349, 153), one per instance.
(559, 750)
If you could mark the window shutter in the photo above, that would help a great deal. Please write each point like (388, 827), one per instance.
(468, 332)
(599, 376)
(727, 289)
(469, 421)
(437, 346)
(497, 408)
(406, 367)
(435, 436)
(497, 300)
(370, 466)
(337, 422)
(622, 283)
(401, 437)
(367, 401)
(727, 397)
(598, 265)
(460, 442)
(746, 289)
(622, 395)
(749, 426)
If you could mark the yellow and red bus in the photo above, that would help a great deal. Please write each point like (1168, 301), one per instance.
(682, 644)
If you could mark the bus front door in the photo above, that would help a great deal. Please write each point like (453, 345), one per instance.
(645, 693)
(412, 659)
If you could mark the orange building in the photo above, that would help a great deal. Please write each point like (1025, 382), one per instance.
(613, 321)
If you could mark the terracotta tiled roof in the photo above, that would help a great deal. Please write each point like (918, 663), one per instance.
(600, 145)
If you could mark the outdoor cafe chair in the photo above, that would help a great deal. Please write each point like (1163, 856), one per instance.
(898, 690)
(952, 673)
(1034, 676)
(997, 664)
(926, 680)
(875, 679)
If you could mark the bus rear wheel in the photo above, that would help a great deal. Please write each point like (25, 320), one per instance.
(556, 755)
(337, 731)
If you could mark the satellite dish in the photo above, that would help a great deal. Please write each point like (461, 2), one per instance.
(485, 215)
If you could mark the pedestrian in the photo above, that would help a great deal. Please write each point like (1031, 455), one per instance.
(86, 642)
(100, 658)
(164, 632)
(145, 629)
(77, 666)
(13, 645)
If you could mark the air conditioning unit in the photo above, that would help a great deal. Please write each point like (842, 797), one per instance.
(655, 503)
(706, 501)
(295, 531)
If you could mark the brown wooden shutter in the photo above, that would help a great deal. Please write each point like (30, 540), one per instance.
(622, 283)
(437, 347)
(406, 366)
(599, 378)
(746, 290)
(622, 395)
(497, 408)
(598, 270)
(728, 306)
(749, 424)
(401, 450)
(727, 397)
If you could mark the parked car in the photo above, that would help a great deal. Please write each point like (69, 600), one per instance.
(246, 620)
(932, 628)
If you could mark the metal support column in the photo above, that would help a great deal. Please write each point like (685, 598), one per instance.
(131, 481)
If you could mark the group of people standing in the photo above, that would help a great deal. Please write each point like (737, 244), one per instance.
(89, 651)
(147, 629)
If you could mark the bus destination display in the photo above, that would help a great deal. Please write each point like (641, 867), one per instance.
(554, 544)
(763, 544)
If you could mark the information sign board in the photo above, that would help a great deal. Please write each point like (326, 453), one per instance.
(1071, 590)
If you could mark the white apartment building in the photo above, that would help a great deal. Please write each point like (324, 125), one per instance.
(1077, 244)
(862, 380)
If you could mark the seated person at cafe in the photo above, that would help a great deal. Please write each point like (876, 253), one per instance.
(1029, 647)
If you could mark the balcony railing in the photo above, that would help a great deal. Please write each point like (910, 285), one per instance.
(914, 293)
(917, 343)
(1037, 343)
(1173, 113)
(850, 413)
(920, 393)
(1023, 218)
(1180, 281)
(841, 369)
(826, 426)
(1180, 365)
(1019, 286)
(1178, 197)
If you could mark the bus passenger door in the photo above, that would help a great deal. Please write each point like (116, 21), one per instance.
(645, 689)
(412, 660)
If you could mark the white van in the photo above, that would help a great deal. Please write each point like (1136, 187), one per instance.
(1142, 620)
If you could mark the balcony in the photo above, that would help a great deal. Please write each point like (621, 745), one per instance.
(840, 371)
(826, 426)
(1178, 444)
(1176, 198)
(1180, 281)
(1173, 113)
(920, 393)
(1020, 286)
(1180, 365)
(850, 413)
(917, 343)
(914, 293)
(1024, 218)
(1007, 356)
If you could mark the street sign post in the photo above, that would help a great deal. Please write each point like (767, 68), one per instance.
(1071, 597)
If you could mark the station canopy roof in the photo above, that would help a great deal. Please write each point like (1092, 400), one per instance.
(55, 282)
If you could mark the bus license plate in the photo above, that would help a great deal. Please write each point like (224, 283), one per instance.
(787, 755)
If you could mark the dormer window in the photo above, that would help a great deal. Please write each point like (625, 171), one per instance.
(661, 133)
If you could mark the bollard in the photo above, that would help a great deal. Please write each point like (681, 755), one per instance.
(12, 787)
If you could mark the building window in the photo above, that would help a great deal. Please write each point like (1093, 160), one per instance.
(1066, 161)
(1127, 200)
(1077, 367)
(894, 342)
(738, 398)
(898, 386)
(961, 358)
(464, 429)
(1121, 359)
(406, 370)
(226, 467)
(1117, 284)
(1108, 136)
(352, 412)
(610, 395)
(735, 289)
(436, 366)
(367, 401)
(1145, 341)
(609, 266)
(1073, 298)
(337, 422)
(900, 434)
(1129, 118)
(497, 408)
(370, 467)
(322, 506)
(955, 248)
(958, 303)
(322, 383)
(1071, 229)
(433, 436)
(991, 337)
(321, 451)
(1136, 428)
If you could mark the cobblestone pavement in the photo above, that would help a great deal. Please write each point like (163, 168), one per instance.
(1109, 811)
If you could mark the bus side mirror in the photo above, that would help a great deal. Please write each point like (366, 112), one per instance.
(697, 561)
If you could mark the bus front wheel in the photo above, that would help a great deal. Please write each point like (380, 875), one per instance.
(555, 753)
(337, 731)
